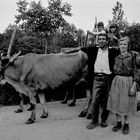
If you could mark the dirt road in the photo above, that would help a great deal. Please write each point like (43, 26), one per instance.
(62, 123)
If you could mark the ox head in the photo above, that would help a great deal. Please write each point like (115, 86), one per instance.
(5, 62)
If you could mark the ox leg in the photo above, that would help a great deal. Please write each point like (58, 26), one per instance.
(85, 112)
(33, 110)
(20, 109)
(33, 115)
(43, 103)
(72, 92)
(88, 100)
(66, 98)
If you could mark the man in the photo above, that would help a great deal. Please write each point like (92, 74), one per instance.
(101, 59)
(100, 62)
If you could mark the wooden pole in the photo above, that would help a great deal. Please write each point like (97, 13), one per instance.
(46, 46)
(11, 42)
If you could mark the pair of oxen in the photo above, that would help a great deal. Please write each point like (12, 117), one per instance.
(33, 74)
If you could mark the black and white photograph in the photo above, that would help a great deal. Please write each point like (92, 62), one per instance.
(69, 70)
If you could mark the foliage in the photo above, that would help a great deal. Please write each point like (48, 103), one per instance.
(66, 37)
(42, 20)
(6, 37)
(118, 16)
(133, 32)
(30, 44)
(81, 37)
(8, 95)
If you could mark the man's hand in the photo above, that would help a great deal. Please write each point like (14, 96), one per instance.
(88, 32)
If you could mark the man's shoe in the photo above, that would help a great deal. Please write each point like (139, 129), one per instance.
(92, 125)
(89, 116)
(125, 129)
(104, 124)
(83, 114)
(117, 127)
(19, 110)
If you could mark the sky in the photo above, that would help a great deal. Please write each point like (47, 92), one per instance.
(84, 12)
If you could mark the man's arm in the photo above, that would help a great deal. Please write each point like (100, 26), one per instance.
(72, 50)
(84, 49)
(96, 32)
(93, 33)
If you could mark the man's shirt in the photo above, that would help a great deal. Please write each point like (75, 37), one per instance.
(102, 63)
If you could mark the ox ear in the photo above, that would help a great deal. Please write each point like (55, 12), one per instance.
(1, 54)
(14, 57)
(4, 61)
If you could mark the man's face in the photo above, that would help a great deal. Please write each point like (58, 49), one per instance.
(102, 41)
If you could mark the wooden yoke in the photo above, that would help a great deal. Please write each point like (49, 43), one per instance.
(11, 42)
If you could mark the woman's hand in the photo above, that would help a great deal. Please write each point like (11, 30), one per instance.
(133, 90)
(115, 37)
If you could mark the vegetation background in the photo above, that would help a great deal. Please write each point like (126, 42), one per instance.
(42, 29)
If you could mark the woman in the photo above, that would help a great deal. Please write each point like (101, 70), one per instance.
(122, 99)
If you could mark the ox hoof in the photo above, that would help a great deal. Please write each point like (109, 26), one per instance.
(89, 116)
(30, 121)
(43, 116)
(19, 110)
(64, 102)
(72, 104)
(83, 114)
(30, 108)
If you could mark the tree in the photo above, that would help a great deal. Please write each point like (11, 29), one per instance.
(6, 37)
(42, 20)
(118, 16)
(81, 37)
(133, 31)
(65, 37)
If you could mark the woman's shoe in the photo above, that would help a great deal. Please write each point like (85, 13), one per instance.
(117, 127)
(125, 129)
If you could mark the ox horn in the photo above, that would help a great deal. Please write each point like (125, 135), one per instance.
(11, 42)
(14, 57)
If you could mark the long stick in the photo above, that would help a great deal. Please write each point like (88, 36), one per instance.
(11, 42)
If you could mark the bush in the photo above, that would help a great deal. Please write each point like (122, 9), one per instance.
(133, 32)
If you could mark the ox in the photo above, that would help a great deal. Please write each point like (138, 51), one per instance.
(33, 74)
